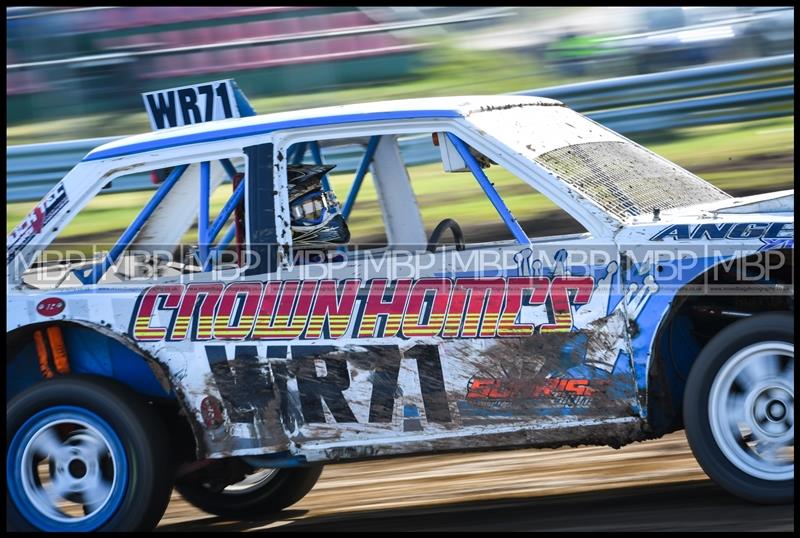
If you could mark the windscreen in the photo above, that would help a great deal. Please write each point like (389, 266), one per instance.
(627, 180)
(623, 178)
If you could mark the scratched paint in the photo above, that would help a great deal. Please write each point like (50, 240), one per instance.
(543, 348)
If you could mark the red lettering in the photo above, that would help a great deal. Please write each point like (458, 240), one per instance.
(336, 310)
(266, 309)
(437, 305)
(517, 286)
(142, 330)
(582, 286)
(484, 300)
(250, 293)
(289, 319)
(392, 309)
(207, 295)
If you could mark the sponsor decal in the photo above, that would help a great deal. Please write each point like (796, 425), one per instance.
(504, 393)
(211, 409)
(32, 225)
(732, 231)
(51, 306)
(772, 244)
(247, 390)
(378, 308)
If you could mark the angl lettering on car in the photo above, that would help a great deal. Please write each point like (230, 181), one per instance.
(234, 369)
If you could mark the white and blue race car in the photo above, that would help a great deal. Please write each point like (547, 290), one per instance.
(234, 369)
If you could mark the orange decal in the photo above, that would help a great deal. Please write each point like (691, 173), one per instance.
(58, 348)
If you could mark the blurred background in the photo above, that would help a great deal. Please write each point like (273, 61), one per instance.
(711, 88)
(66, 62)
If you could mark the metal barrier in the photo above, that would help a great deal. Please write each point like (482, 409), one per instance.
(738, 91)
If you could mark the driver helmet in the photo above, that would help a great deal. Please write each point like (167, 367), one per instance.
(316, 217)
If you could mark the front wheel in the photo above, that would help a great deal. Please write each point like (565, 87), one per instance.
(84, 454)
(738, 408)
(261, 492)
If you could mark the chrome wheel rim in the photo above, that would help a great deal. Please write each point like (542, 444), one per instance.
(252, 482)
(80, 469)
(751, 410)
(66, 470)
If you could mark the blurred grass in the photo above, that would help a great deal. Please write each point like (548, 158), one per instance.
(749, 157)
(727, 141)
(445, 70)
(756, 155)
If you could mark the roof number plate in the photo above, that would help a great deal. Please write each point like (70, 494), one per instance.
(188, 105)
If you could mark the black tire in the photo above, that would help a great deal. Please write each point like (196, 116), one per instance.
(126, 423)
(284, 489)
(762, 328)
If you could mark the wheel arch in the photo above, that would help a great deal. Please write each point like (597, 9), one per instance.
(693, 319)
(94, 350)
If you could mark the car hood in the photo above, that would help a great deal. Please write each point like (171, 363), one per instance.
(780, 203)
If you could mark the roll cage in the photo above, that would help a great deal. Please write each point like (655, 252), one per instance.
(262, 160)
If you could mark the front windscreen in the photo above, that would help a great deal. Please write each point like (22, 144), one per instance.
(623, 178)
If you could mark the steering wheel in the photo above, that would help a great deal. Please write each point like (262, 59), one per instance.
(436, 235)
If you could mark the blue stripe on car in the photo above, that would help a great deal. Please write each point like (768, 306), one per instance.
(264, 128)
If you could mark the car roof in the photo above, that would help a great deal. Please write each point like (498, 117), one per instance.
(435, 107)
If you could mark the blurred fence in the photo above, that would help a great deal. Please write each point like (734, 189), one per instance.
(739, 91)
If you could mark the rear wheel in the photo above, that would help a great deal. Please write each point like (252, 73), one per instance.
(261, 492)
(84, 454)
(739, 408)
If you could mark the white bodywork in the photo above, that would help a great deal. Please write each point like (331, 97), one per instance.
(511, 130)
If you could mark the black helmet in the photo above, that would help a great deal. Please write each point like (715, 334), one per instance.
(316, 218)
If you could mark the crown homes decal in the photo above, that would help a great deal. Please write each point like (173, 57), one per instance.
(378, 308)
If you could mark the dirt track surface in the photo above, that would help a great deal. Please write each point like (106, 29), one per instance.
(650, 486)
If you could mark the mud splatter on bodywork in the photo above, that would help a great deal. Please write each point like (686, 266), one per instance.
(537, 377)
(248, 396)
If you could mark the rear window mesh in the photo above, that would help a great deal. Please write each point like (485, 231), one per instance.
(626, 180)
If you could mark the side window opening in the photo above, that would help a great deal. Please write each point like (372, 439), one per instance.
(450, 190)
(221, 240)
(148, 234)
(331, 211)
(440, 195)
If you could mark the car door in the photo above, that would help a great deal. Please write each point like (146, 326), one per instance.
(396, 349)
